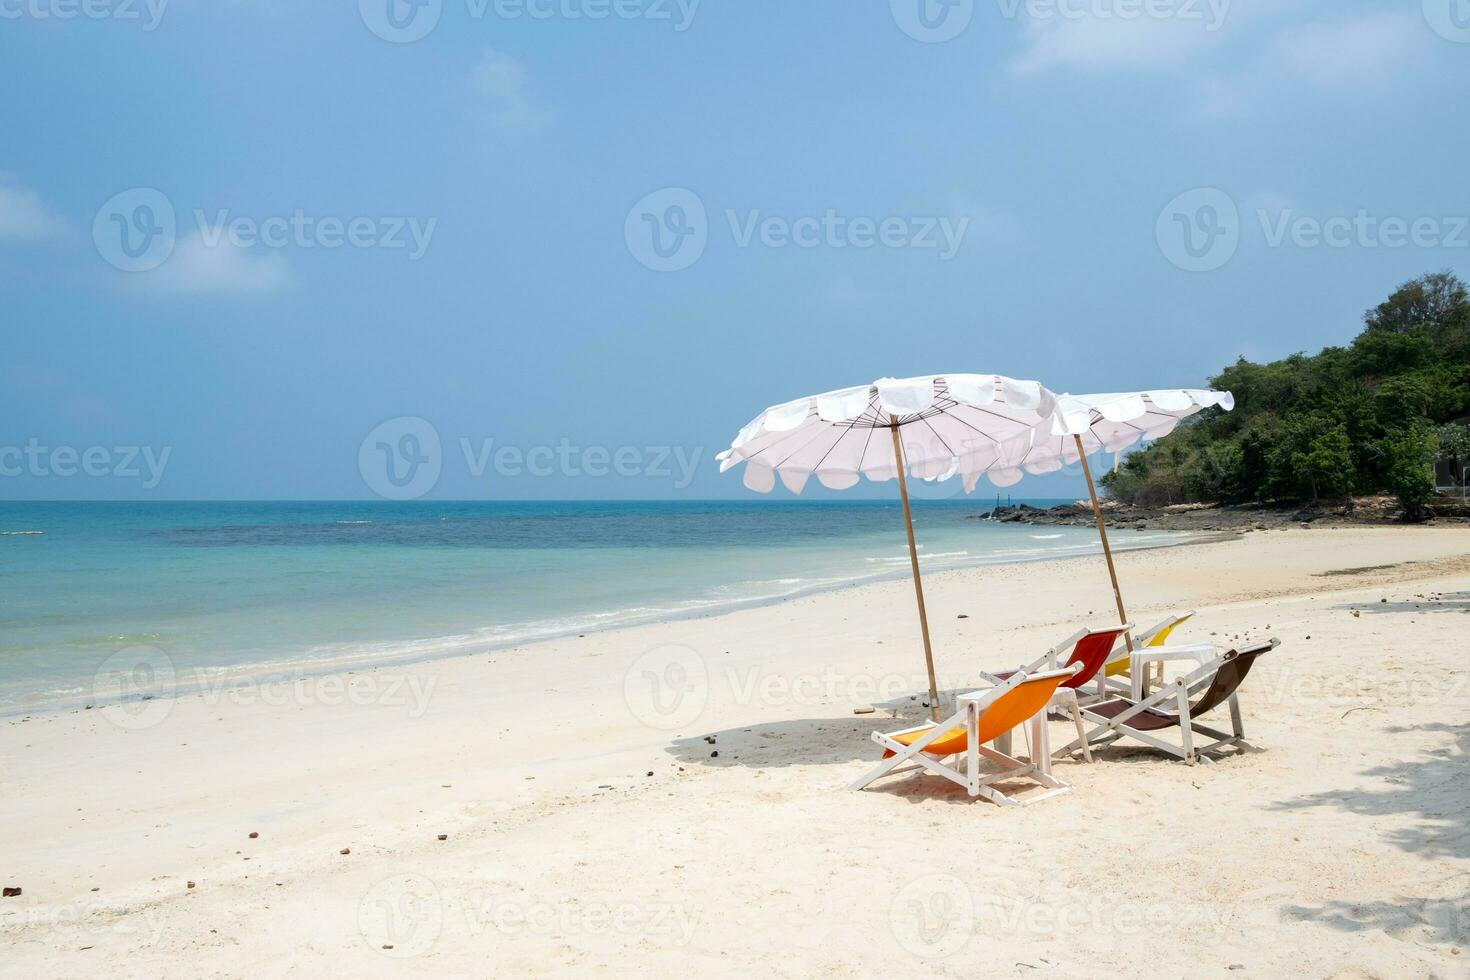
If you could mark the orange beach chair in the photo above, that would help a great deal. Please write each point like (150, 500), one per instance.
(982, 717)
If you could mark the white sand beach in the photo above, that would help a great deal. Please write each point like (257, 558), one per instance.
(590, 825)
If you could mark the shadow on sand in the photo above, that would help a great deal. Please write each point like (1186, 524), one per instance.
(845, 741)
(1436, 790)
(1429, 602)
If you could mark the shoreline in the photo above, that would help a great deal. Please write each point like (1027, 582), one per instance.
(455, 647)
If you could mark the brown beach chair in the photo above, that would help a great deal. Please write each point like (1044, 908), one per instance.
(1148, 719)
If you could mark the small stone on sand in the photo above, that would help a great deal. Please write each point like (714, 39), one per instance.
(865, 709)
(345, 850)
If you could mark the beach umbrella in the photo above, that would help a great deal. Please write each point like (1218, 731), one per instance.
(1085, 424)
(937, 426)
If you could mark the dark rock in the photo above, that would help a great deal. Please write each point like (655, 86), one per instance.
(12, 891)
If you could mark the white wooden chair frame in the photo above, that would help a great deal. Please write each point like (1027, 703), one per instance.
(1179, 692)
(1133, 684)
(971, 707)
(1065, 700)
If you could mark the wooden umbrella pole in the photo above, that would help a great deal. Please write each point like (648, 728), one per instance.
(1102, 530)
(908, 520)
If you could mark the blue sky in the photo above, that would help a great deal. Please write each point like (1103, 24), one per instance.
(447, 229)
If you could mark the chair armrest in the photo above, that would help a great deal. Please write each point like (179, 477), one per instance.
(1180, 651)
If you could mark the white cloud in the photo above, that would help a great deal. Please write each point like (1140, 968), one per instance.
(196, 268)
(1093, 43)
(1349, 53)
(1233, 56)
(504, 88)
(23, 215)
(1340, 55)
(987, 223)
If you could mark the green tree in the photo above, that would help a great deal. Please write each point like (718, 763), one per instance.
(1325, 424)
(1429, 301)
(1408, 470)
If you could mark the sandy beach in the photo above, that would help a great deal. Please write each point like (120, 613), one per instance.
(670, 799)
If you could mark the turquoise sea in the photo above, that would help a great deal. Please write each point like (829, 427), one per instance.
(294, 586)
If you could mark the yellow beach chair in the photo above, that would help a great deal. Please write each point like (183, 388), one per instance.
(1118, 674)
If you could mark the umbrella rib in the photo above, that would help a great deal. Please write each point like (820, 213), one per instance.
(970, 425)
(816, 434)
(944, 441)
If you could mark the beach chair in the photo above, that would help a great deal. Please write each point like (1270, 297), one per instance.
(1088, 651)
(1147, 720)
(1118, 674)
(981, 717)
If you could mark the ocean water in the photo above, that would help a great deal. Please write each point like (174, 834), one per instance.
(290, 586)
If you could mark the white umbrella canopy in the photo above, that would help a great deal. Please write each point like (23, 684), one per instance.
(1113, 422)
(1084, 424)
(938, 425)
(947, 424)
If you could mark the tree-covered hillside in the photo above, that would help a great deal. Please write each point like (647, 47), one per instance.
(1366, 418)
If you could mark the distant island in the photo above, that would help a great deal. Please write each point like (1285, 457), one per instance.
(1385, 415)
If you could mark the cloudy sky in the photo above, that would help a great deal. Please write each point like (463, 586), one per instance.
(253, 234)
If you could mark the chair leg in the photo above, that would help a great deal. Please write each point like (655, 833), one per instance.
(1081, 733)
